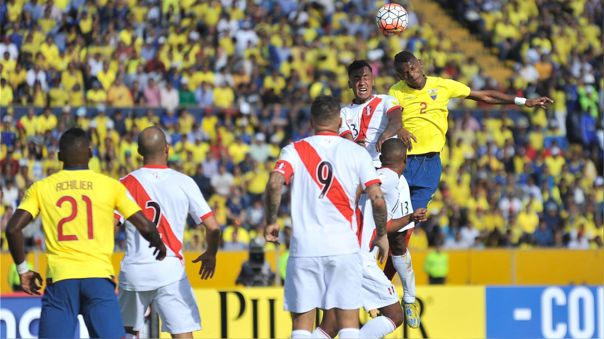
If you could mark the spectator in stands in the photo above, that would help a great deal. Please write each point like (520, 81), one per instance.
(168, 97)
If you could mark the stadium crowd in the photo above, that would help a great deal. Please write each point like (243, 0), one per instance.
(231, 81)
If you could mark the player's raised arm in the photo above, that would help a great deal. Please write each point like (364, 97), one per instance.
(148, 230)
(380, 216)
(496, 97)
(30, 281)
(395, 125)
(273, 201)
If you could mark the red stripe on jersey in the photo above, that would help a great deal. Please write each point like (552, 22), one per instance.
(392, 109)
(207, 215)
(284, 168)
(371, 182)
(359, 215)
(345, 133)
(366, 118)
(140, 195)
(336, 193)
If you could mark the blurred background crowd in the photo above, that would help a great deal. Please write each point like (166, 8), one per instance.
(231, 82)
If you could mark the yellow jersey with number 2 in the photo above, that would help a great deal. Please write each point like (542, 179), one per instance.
(425, 110)
(77, 218)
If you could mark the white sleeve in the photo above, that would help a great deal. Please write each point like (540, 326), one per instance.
(367, 172)
(199, 209)
(286, 163)
(344, 130)
(392, 196)
(405, 197)
(390, 104)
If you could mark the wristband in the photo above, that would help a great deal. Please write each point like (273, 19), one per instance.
(23, 268)
(519, 101)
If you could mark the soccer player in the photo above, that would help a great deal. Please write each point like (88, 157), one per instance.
(370, 119)
(424, 102)
(167, 197)
(77, 207)
(377, 291)
(324, 270)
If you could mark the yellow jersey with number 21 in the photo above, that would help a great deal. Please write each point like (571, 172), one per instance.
(425, 110)
(77, 218)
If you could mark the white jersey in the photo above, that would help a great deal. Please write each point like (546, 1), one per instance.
(367, 121)
(367, 231)
(326, 172)
(405, 201)
(166, 197)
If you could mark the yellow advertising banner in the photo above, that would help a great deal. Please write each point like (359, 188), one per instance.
(448, 312)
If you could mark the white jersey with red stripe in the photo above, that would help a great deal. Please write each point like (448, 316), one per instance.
(326, 172)
(367, 121)
(390, 187)
(166, 197)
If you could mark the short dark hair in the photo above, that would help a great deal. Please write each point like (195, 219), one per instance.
(358, 64)
(392, 150)
(324, 108)
(404, 57)
(73, 138)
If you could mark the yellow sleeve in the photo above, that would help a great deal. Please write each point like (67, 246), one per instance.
(457, 89)
(123, 204)
(30, 202)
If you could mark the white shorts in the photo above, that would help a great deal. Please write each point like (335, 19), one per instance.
(377, 291)
(175, 304)
(323, 282)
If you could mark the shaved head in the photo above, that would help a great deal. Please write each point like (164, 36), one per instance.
(152, 142)
(394, 152)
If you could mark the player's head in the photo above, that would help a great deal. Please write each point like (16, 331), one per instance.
(360, 79)
(408, 68)
(325, 113)
(153, 146)
(394, 155)
(74, 148)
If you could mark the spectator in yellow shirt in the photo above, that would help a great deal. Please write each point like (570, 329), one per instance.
(47, 121)
(6, 93)
(224, 97)
(96, 95)
(119, 95)
(28, 122)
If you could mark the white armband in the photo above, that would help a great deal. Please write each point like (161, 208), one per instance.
(23, 268)
(519, 101)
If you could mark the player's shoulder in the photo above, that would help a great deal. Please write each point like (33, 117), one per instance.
(402, 183)
(387, 176)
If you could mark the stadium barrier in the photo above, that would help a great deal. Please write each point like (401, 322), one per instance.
(466, 267)
(447, 312)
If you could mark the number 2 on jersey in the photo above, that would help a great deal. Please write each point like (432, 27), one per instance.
(423, 106)
(324, 176)
(74, 213)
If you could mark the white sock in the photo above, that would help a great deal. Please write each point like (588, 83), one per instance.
(301, 334)
(346, 333)
(319, 333)
(404, 268)
(377, 327)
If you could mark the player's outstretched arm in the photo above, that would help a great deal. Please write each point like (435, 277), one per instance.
(31, 281)
(496, 97)
(149, 232)
(395, 124)
(416, 216)
(380, 216)
(208, 258)
(273, 201)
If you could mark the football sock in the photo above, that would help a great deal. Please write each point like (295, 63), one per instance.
(377, 327)
(403, 266)
(319, 333)
(301, 334)
(346, 333)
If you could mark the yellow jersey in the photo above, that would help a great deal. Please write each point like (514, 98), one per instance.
(77, 218)
(425, 110)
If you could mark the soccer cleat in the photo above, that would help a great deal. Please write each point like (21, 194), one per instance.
(412, 314)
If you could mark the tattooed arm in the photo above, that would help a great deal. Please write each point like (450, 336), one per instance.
(273, 201)
(380, 216)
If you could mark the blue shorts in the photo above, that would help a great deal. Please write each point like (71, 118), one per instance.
(423, 175)
(93, 298)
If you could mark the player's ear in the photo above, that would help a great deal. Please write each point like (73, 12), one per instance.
(89, 153)
(349, 83)
(60, 156)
